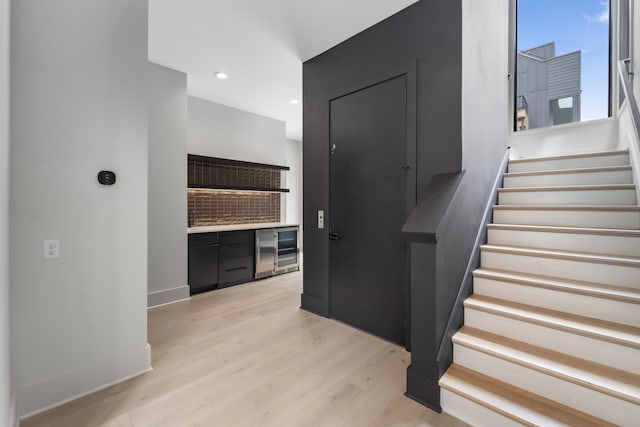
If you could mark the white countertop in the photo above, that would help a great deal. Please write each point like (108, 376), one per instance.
(236, 227)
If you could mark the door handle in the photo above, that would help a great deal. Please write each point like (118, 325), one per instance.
(334, 236)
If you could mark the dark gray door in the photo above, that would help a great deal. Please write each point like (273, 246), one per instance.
(368, 142)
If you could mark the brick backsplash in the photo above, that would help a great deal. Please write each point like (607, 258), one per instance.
(220, 207)
(203, 173)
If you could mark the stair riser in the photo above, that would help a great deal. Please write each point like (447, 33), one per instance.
(587, 197)
(564, 392)
(569, 218)
(583, 305)
(606, 274)
(573, 242)
(471, 412)
(575, 163)
(584, 347)
(584, 178)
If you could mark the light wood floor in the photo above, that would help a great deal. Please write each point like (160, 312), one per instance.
(248, 356)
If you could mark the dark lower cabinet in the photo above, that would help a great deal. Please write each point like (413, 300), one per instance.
(203, 262)
(236, 257)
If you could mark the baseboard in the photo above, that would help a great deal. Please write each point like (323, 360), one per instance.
(59, 389)
(423, 389)
(313, 304)
(13, 415)
(167, 296)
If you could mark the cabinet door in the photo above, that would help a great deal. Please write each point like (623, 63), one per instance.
(235, 270)
(203, 268)
(236, 257)
(236, 243)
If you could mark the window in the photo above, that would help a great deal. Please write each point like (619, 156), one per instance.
(561, 111)
(562, 62)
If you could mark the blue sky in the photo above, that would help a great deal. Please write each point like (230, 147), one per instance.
(573, 25)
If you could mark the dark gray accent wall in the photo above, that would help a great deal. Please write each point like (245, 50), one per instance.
(447, 226)
(422, 41)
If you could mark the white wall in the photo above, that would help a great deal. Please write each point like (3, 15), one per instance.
(634, 150)
(167, 185)
(6, 415)
(219, 131)
(626, 142)
(589, 136)
(294, 182)
(485, 90)
(78, 106)
(636, 48)
(626, 131)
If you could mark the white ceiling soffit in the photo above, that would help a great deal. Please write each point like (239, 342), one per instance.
(260, 44)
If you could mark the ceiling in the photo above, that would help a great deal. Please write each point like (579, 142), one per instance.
(260, 44)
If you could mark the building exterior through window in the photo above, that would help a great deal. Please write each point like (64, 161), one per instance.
(548, 87)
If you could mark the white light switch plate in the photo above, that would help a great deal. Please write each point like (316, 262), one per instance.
(51, 249)
(321, 219)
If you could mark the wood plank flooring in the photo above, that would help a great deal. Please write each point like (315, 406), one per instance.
(248, 356)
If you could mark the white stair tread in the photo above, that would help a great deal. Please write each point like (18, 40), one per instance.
(604, 379)
(512, 402)
(588, 216)
(617, 293)
(570, 256)
(570, 156)
(603, 208)
(606, 187)
(572, 230)
(595, 169)
(624, 335)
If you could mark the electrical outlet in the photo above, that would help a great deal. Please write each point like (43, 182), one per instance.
(320, 219)
(51, 249)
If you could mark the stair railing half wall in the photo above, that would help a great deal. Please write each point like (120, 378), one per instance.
(456, 318)
(444, 232)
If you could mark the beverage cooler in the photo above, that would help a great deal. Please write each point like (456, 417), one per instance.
(287, 249)
(276, 251)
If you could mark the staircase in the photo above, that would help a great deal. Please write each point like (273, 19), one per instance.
(552, 331)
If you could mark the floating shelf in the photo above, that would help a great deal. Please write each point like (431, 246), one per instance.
(225, 174)
(236, 188)
(229, 162)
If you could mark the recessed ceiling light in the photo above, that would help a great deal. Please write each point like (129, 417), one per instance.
(295, 101)
(221, 75)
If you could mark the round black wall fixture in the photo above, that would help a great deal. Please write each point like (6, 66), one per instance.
(106, 177)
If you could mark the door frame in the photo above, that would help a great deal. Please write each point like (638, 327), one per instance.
(410, 70)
